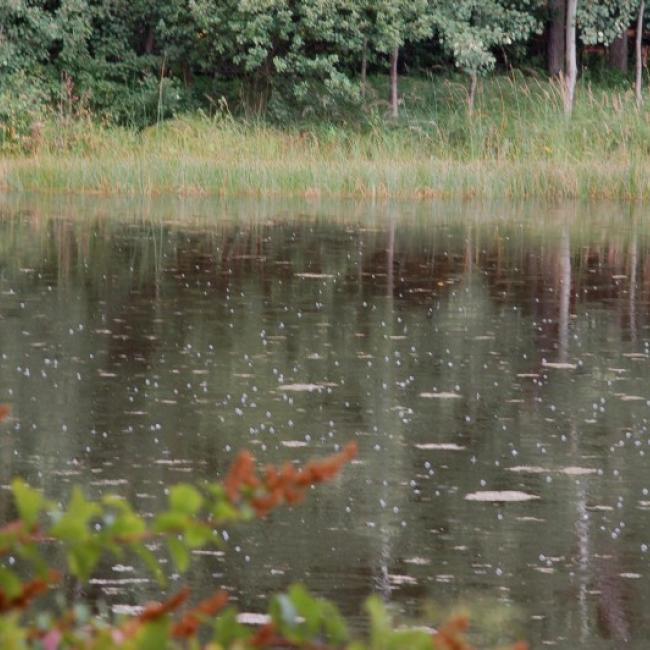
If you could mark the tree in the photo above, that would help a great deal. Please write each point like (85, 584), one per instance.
(472, 29)
(555, 47)
(391, 24)
(282, 49)
(571, 72)
(638, 58)
(599, 22)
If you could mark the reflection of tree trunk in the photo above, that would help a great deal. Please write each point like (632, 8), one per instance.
(565, 294)
(571, 74)
(584, 545)
(612, 615)
(390, 288)
(556, 29)
(584, 559)
(634, 262)
(394, 99)
(469, 252)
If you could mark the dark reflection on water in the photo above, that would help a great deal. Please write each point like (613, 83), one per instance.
(143, 345)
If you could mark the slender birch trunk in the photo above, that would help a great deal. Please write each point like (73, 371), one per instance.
(638, 64)
(364, 67)
(394, 99)
(471, 97)
(571, 74)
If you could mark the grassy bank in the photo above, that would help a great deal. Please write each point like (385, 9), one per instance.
(516, 144)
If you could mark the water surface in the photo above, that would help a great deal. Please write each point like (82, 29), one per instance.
(465, 348)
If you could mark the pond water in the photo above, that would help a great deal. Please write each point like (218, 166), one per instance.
(467, 349)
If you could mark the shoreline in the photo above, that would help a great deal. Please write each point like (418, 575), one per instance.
(143, 175)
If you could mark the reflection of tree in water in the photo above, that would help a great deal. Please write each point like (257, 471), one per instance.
(200, 317)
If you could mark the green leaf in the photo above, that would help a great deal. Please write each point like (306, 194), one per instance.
(82, 559)
(380, 621)
(283, 612)
(29, 501)
(197, 535)
(154, 635)
(227, 629)
(151, 562)
(170, 522)
(334, 624)
(307, 608)
(72, 525)
(224, 511)
(179, 554)
(185, 498)
(10, 583)
(411, 639)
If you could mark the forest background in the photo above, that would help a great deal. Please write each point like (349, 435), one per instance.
(369, 85)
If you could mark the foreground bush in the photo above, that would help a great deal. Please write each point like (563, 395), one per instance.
(87, 531)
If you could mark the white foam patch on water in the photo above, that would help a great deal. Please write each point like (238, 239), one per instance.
(504, 495)
(445, 578)
(567, 471)
(442, 395)
(421, 561)
(559, 366)
(314, 276)
(440, 446)
(301, 388)
(109, 482)
(399, 580)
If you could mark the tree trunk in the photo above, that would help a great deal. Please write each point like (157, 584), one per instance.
(571, 73)
(638, 61)
(618, 52)
(394, 99)
(471, 97)
(150, 40)
(555, 42)
(364, 67)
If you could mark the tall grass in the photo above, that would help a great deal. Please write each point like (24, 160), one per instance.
(516, 144)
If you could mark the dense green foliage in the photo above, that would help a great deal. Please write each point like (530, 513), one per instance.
(137, 62)
(516, 145)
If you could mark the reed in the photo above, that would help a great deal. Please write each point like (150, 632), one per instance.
(517, 144)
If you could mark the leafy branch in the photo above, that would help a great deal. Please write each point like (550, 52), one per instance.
(87, 531)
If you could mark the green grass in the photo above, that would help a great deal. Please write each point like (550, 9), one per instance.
(517, 144)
